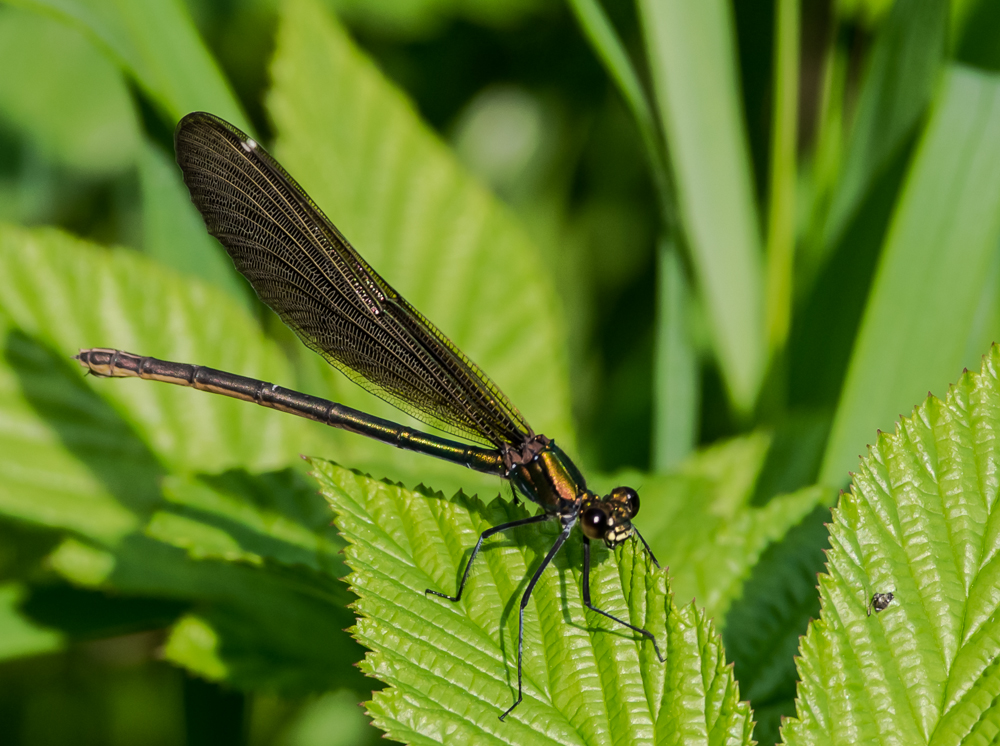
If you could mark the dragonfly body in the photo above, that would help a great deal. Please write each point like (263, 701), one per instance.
(309, 274)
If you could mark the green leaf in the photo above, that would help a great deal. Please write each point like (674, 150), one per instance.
(273, 516)
(58, 71)
(65, 294)
(764, 625)
(932, 270)
(452, 667)
(19, 636)
(256, 623)
(66, 460)
(691, 48)
(678, 388)
(904, 69)
(255, 555)
(397, 192)
(173, 231)
(257, 559)
(156, 43)
(676, 392)
(602, 37)
(921, 522)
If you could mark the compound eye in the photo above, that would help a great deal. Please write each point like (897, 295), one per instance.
(594, 523)
(629, 499)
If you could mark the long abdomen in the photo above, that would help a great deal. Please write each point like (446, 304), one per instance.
(108, 363)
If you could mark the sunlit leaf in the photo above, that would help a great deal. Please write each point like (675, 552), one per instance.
(920, 521)
(452, 667)
(65, 294)
(83, 470)
(255, 554)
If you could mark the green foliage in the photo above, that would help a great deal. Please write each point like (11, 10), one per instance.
(903, 70)
(173, 231)
(703, 520)
(584, 680)
(18, 635)
(919, 522)
(156, 44)
(443, 239)
(253, 557)
(922, 316)
(102, 137)
(59, 293)
(418, 18)
(693, 67)
(741, 236)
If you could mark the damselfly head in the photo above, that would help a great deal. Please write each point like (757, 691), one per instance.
(609, 518)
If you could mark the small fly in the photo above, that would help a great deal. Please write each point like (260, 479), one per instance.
(304, 269)
(880, 602)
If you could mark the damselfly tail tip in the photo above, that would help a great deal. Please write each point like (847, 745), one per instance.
(83, 363)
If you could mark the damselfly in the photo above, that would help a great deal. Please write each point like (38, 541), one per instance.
(307, 272)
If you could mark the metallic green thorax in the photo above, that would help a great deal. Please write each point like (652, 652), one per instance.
(543, 473)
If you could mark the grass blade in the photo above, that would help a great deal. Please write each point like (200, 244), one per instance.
(899, 85)
(932, 269)
(597, 27)
(783, 183)
(692, 56)
(677, 394)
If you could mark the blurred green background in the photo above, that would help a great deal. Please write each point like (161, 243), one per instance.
(782, 217)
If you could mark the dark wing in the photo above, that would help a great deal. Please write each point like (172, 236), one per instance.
(307, 272)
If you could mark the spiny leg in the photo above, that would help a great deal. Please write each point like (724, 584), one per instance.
(586, 600)
(648, 550)
(524, 602)
(485, 535)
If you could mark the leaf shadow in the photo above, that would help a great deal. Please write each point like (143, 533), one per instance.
(283, 493)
